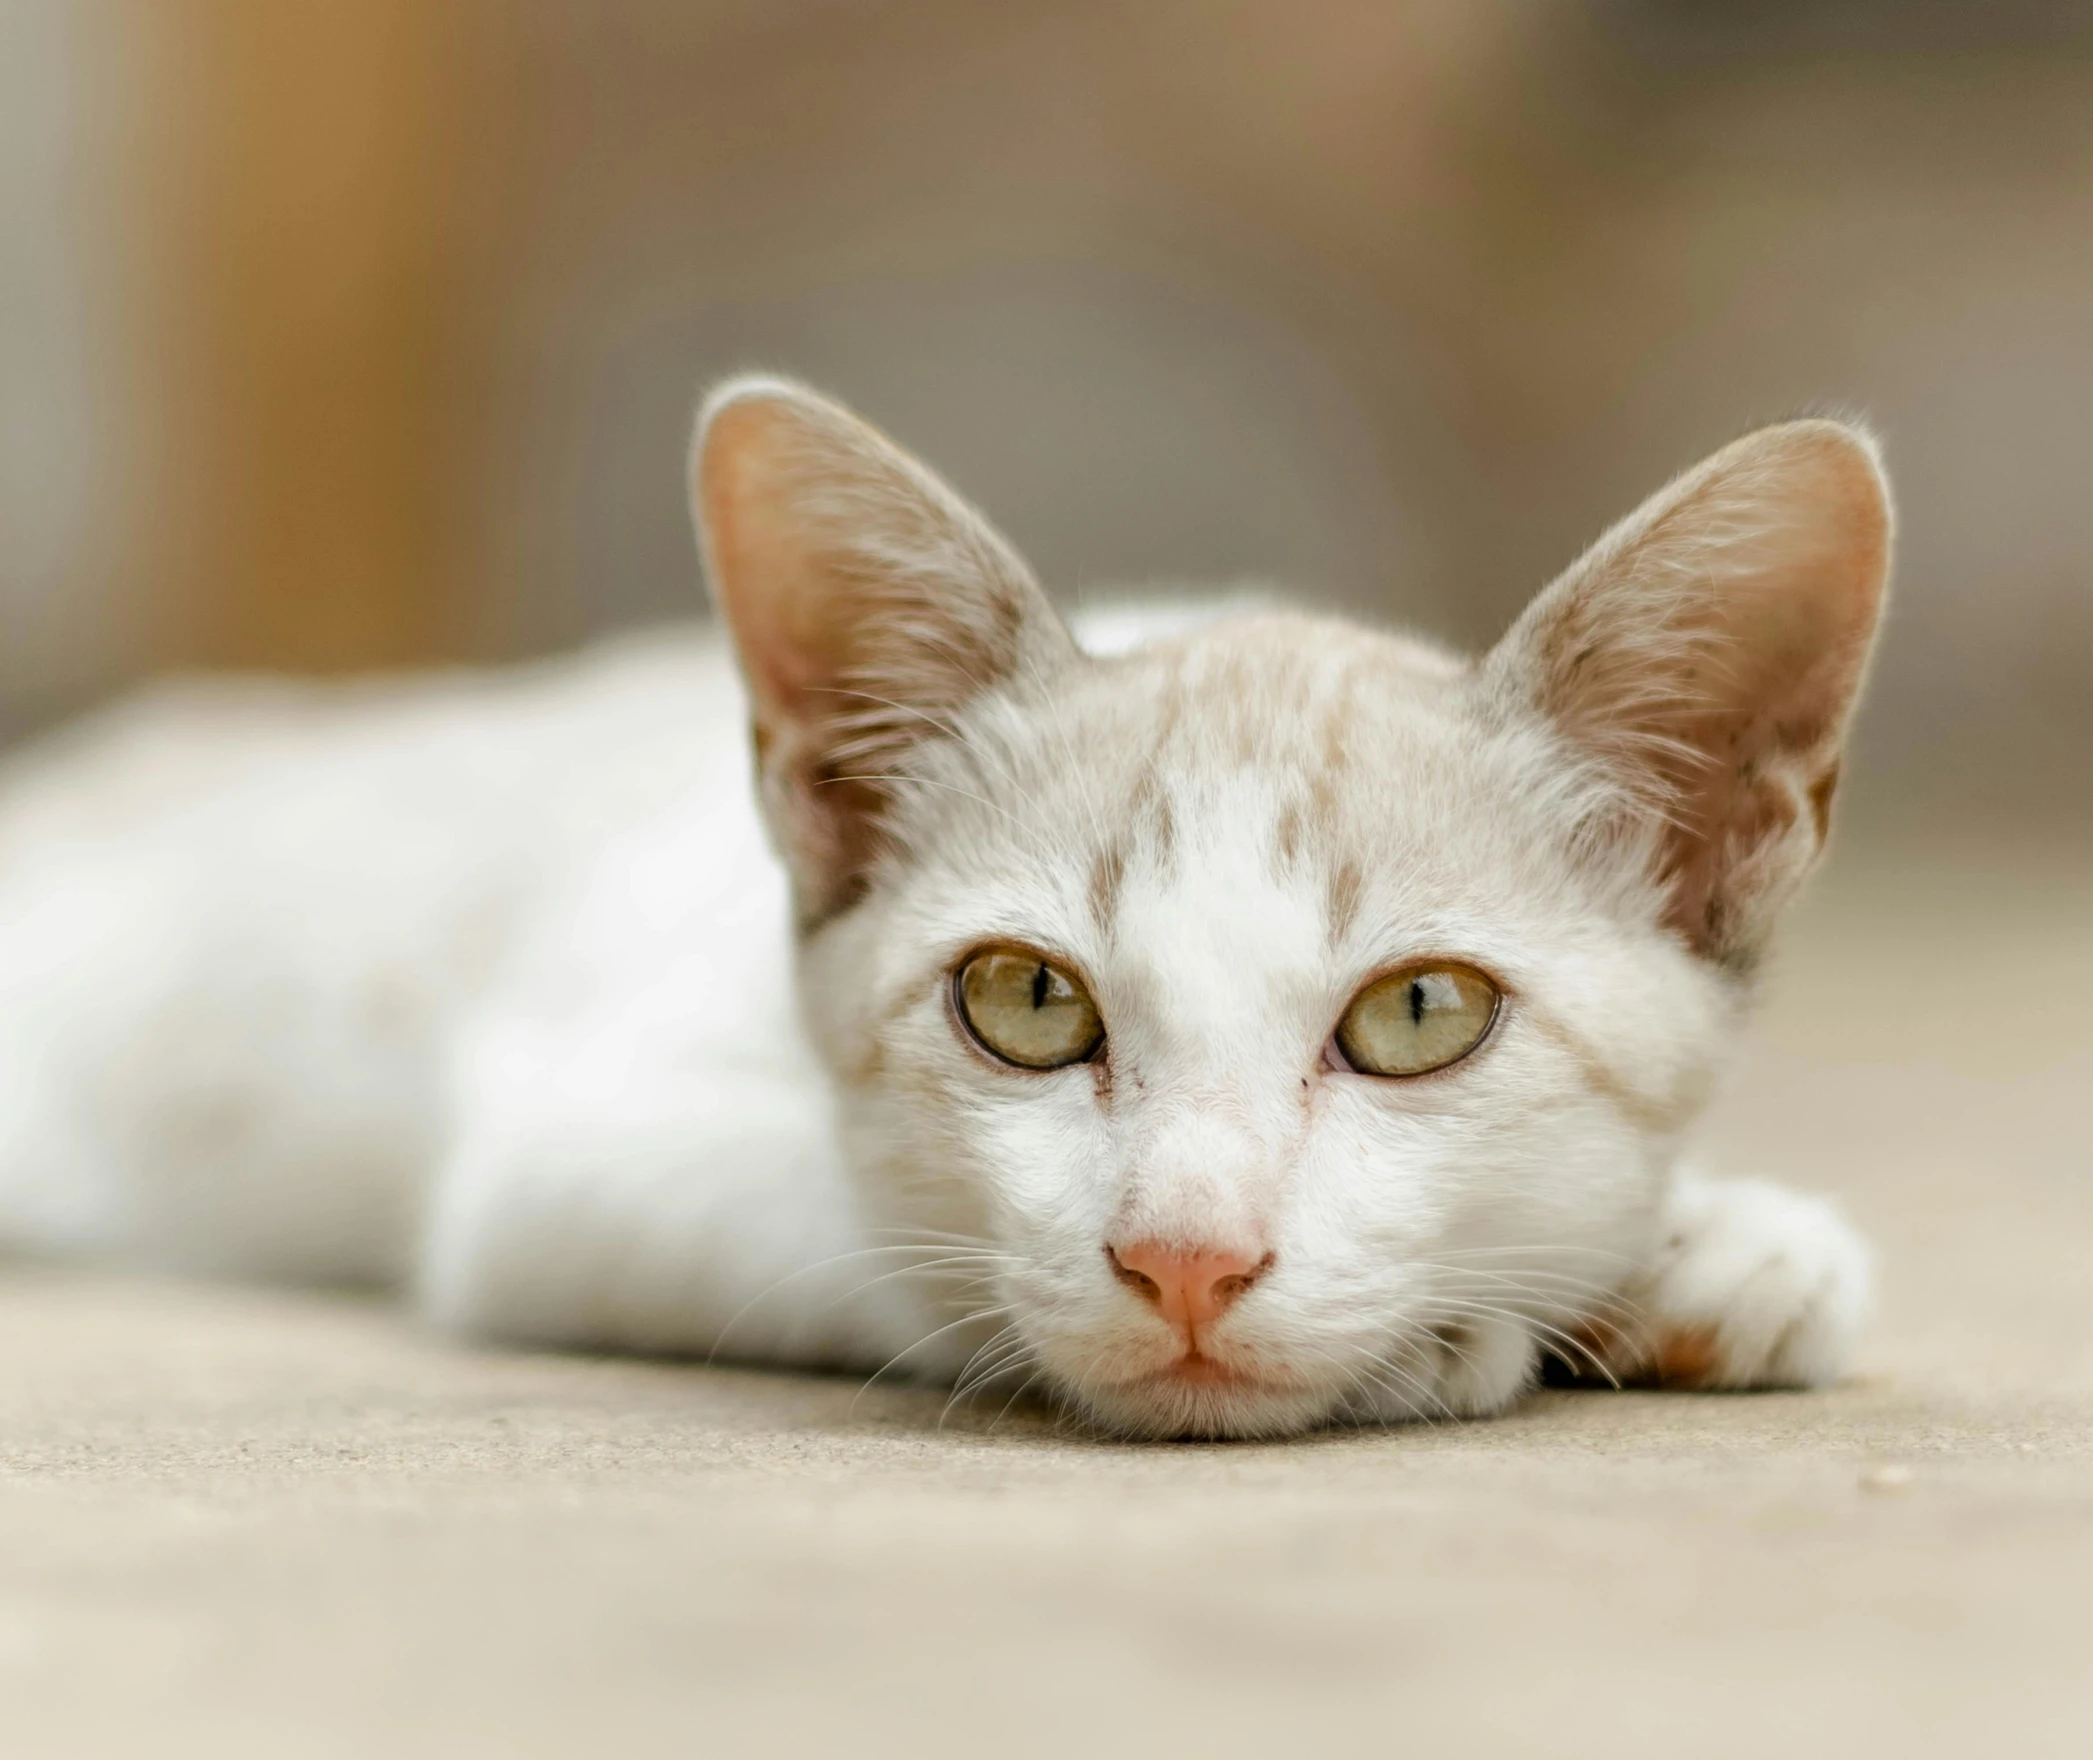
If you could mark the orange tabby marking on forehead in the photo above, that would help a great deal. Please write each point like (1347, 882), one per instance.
(1107, 873)
(1342, 898)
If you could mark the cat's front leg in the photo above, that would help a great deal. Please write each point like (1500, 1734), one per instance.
(1749, 1285)
(669, 1212)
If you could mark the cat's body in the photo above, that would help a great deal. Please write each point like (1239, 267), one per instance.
(494, 989)
(288, 962)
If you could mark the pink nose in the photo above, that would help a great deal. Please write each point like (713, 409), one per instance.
(1190, 1290)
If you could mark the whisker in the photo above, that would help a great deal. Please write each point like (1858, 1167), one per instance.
(967, 1319)
(1539, 1247)
(1457, 1309)
(941, 1237)
(1003, 1353)
(934, 1267)
(828, 1264)
(1023, 1387)
(1410, 1388)
(1531, 1280)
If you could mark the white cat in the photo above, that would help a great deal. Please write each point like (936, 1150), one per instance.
(1273, 1023)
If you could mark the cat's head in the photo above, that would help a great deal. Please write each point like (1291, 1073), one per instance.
(1280, 1020)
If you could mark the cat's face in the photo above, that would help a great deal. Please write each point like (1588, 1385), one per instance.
(1280, 1021)
(1224, 841)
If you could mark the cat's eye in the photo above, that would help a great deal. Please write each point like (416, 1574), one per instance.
(1027, 1010)
(1416, 1020)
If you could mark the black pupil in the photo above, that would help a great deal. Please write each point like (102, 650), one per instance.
(1416, 1002)
(1039, 987)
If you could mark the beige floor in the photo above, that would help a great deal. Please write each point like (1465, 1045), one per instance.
(242, 1523)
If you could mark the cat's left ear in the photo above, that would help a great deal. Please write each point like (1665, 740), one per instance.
(1707, 652)
(868, 602)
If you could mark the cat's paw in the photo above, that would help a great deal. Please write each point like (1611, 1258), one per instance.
(1481, 1367)
(1752, 1286)
(1476, 1369)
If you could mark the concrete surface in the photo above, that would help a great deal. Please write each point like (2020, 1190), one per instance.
(252, 1523)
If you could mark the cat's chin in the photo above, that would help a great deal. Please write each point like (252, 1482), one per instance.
(1203, 1399)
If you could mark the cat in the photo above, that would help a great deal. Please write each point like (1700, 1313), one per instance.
(1250, 1023)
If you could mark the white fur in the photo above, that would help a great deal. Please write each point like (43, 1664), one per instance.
(486, 987)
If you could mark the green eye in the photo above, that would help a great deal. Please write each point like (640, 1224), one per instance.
(1027, 1011)
(1419, 1019)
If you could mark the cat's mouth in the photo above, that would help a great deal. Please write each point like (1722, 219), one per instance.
(1196, 1369)
(1197, 1394)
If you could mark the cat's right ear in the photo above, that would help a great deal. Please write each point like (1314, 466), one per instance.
(868, 603)
(1708, 651)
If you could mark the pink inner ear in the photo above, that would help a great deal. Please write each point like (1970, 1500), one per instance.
(1710, 650)
(756, 557)
(867, 601)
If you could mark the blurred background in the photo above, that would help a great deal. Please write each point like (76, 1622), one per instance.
(339, 334)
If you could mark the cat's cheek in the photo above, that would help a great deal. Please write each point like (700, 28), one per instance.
(1367, 1171)
(1038, 1151)
(1409, 1150)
